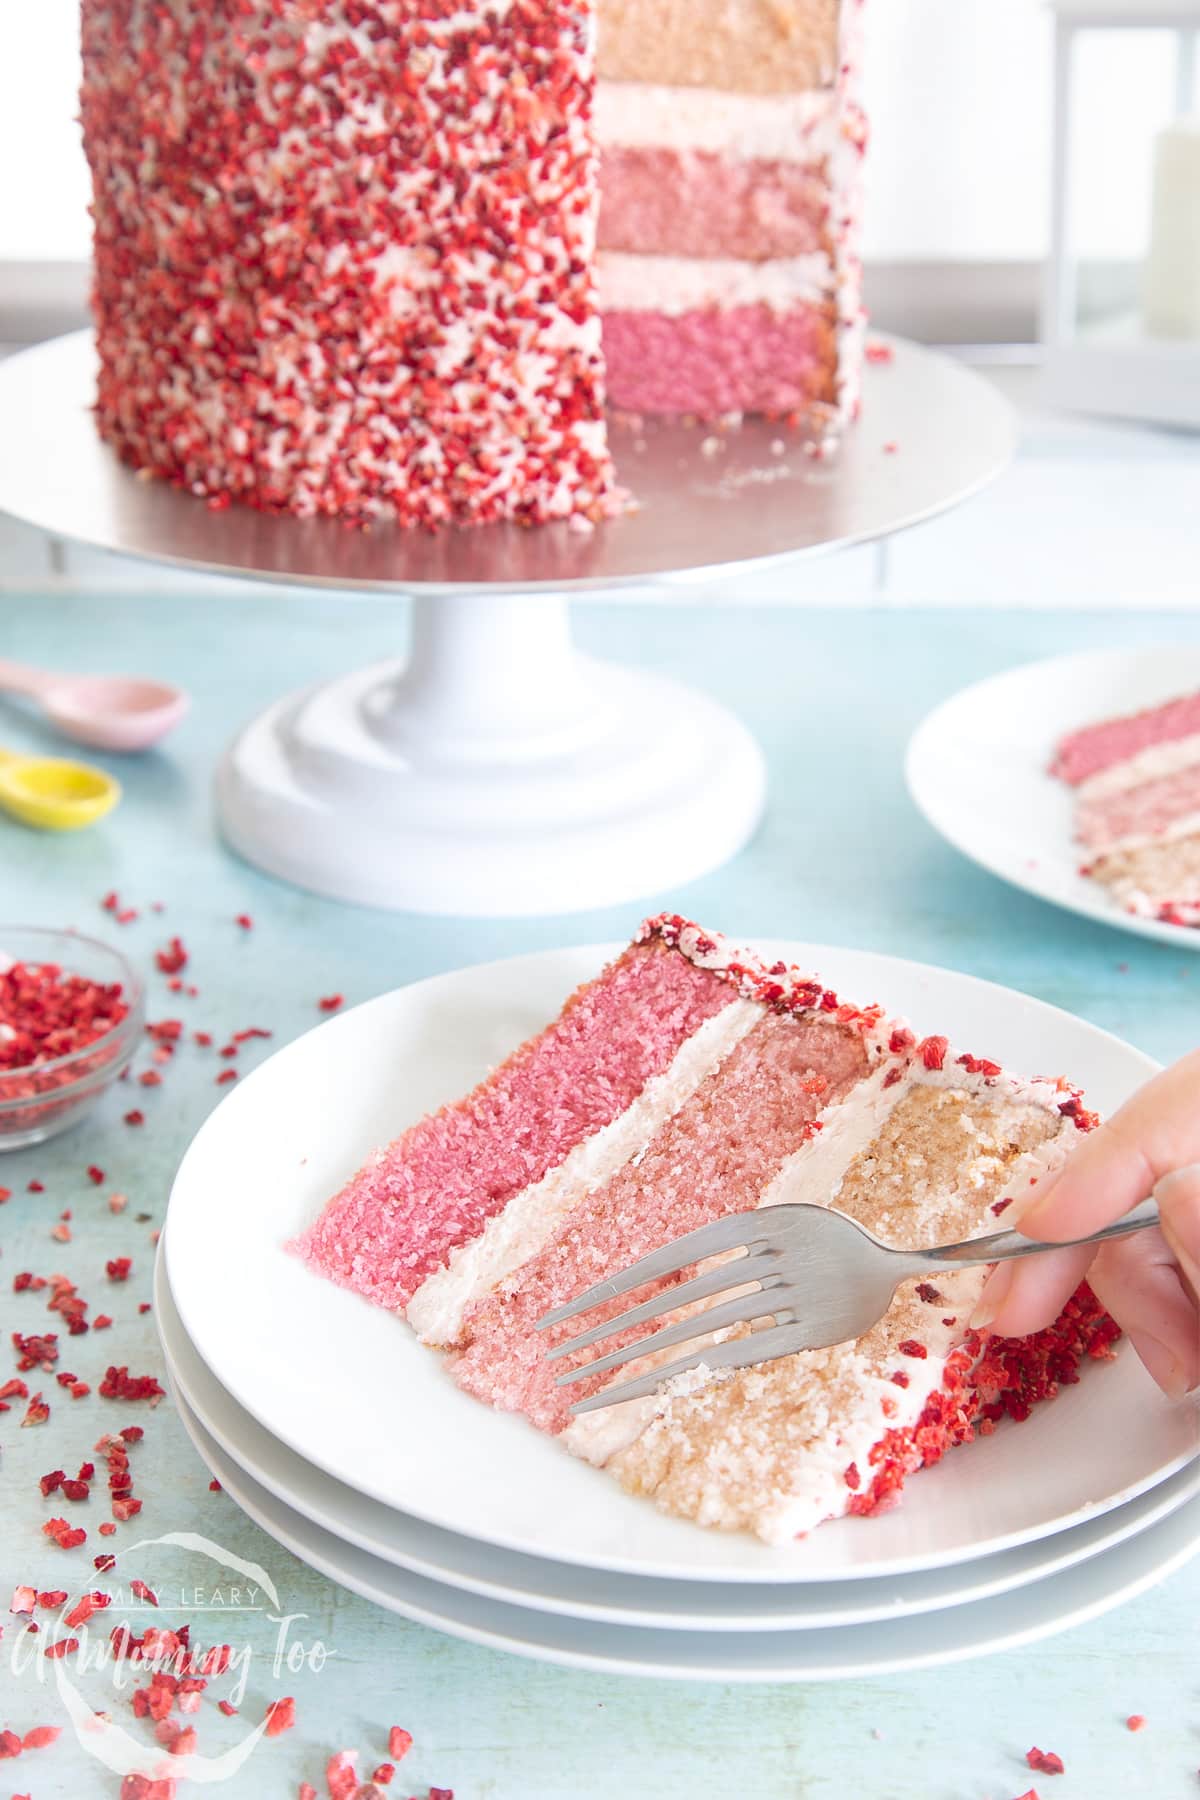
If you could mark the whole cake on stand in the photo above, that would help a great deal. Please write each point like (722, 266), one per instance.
(346, 253)
(363, 270)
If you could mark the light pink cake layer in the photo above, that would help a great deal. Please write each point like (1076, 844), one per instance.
(438, 1184)
(1097, 747)
(1143, 811)
(713, 1157)
(722, 360)
(664, 202)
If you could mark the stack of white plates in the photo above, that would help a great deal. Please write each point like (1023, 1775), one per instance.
(346, 1441)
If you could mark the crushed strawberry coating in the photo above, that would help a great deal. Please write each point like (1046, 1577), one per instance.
(357, 284)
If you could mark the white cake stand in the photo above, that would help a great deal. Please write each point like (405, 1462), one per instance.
(496, 770)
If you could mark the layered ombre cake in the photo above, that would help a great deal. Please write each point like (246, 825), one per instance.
(346, 256)
(731, 142)
(687, 1082)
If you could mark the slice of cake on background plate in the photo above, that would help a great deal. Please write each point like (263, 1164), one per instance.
(345, 251)
(686, 1082)
(1137, 809)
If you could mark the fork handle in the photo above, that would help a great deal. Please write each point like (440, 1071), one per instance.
(1003, 1246)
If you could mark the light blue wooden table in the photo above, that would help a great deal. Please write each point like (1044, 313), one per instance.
(842, 857)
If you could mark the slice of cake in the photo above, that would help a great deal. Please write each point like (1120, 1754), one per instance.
(684, 1083)
(1137, 811)
(345, 250)
(731, 144)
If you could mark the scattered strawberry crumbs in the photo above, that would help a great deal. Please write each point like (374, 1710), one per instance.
(1135, 1721)
(1045, 1762)
(173, 958)
(281, 1716)
(331, 1002)
(37, 1412)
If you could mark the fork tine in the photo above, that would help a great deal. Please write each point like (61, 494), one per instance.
(736, 1353)
(737, 1232)
(727, 1275)
(755, 1305)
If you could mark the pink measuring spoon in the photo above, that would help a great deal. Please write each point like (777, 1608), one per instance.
(111, 712)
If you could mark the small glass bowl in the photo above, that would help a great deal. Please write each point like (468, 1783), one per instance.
(42, 1099)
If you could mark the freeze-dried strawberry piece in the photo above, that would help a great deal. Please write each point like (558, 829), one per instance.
(341, 1774)
(22, 1600)
(399, 1743)
(281, 1716)
(85, 1606)
(40, 1736)
(1045, 1762)
(10, 1744)
(119, 1384)
(172, 958)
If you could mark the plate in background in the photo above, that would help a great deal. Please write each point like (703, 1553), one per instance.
(977, 767)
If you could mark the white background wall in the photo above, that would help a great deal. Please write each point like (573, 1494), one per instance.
(959, 92)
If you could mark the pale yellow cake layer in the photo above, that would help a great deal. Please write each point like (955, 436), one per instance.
(733, 1453)
(740, 46)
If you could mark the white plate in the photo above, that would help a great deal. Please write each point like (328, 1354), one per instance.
(977, 768)
(882, 1648)
(610, 1598)
(349, 1388)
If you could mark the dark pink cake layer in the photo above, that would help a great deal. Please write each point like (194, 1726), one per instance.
(664, 202)
(1144, 811)
(1098, 747)
(722, 359)
(713, 1157)
(439, 1183)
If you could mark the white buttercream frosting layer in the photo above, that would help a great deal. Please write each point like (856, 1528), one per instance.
(681, 284)
(777, 127)
(532, 1217)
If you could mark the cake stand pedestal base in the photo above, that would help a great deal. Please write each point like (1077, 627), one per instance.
(495, 772)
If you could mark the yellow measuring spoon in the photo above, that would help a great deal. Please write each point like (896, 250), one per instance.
(52, 794)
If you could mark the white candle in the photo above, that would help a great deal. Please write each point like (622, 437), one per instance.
(1171, 286)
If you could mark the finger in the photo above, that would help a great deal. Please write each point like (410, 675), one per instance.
(1178, 1196)
(1155, 1132)
(1138, 1281)
(1020, 1297)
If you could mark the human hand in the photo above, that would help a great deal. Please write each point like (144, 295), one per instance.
(1150, 1281)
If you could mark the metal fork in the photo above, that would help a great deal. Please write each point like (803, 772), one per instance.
(823, 1278)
